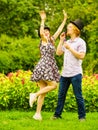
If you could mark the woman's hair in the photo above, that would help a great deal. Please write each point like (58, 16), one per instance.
(44, 28)
(51, 39)
(76, 30)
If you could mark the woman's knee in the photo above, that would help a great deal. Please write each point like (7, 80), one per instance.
(41, 84)
(54, 85)
(42, 96)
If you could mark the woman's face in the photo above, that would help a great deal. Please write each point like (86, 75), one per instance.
(47, 33)
(70, 29)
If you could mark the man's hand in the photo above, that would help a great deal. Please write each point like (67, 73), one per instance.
(66, 46)
(62, 36)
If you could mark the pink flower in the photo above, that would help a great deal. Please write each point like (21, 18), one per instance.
(96, 76)
(10, 75)
(23, 81)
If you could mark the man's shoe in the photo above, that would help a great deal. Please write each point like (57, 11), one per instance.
(37, 117)
(56, 117)
(32, 99)
(82, 119)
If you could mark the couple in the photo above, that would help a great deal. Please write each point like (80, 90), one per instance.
(46, 72)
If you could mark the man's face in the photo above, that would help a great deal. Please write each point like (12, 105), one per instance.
(70, 29)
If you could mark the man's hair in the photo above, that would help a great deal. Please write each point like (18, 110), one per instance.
(76, 30)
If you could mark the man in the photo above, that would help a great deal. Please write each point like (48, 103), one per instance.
(74, 51)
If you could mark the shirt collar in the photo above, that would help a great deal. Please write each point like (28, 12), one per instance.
(74, 40)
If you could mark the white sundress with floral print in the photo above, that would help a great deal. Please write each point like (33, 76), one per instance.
(46, 69)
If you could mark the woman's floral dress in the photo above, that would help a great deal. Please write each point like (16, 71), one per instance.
(46, 69)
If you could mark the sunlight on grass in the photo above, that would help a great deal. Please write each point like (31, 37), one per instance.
(19, 120)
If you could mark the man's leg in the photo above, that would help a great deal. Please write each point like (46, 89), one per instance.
(63, 87)
(77, 88)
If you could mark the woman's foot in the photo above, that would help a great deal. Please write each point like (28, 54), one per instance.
(37, 117)
(32, 99)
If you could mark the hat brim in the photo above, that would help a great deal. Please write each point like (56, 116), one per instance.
(75, 24)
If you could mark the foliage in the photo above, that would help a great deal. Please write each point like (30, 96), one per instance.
(18, 53)
(22, 53)
(15, 89)
(17, 17)
(20, 19)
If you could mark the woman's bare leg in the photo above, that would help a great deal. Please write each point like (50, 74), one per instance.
(51, 85)
(41, 97)
(45, 87)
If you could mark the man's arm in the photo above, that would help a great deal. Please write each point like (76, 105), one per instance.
(59, 48)
(78, 55)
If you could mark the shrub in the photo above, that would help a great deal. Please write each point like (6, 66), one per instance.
(18, 53)
(23, 53)
(15, 89)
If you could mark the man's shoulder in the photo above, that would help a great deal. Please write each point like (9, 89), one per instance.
(80, 39)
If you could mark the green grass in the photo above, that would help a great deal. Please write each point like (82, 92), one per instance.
(22, 120)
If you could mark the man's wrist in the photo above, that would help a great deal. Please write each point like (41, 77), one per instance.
(62, 40)
(70, 49)
(61, 44)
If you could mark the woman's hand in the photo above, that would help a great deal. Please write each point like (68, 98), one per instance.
(42, 15)
(65, 14)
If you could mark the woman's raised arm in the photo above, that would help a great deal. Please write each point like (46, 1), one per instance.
(59, 30)
(43, 18)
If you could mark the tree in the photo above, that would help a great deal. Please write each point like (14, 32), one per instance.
(19, 18)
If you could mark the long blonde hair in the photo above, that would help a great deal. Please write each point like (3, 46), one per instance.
(76, 30)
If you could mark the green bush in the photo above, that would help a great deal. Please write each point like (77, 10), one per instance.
(24, 53)
(18, 53)
(5, 61)
(21, 53)
(20, 18)
(15, 89)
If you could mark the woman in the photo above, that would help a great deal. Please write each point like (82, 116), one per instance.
(46, 71)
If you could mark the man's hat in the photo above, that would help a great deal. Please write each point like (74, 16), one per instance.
(78, 23)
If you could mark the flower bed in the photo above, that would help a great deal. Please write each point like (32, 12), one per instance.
(15, 89)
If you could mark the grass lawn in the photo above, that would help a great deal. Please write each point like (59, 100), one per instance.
(22, 120)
